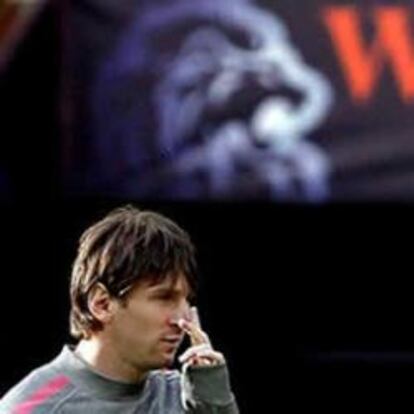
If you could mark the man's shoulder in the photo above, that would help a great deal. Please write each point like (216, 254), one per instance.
(44, 386)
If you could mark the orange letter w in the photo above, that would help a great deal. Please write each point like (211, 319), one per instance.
(363, 63)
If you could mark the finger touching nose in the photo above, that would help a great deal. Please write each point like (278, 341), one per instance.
(183, 312)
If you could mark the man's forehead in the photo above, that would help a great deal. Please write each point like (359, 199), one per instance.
(177, 282)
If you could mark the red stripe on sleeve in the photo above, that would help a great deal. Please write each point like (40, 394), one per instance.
(41, 395)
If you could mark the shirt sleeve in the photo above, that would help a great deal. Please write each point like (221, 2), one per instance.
(207, 390)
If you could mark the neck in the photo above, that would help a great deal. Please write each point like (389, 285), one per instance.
(105, 359)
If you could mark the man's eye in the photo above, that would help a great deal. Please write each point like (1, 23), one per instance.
(166, 296)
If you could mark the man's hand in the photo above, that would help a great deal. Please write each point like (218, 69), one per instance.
(201, 353)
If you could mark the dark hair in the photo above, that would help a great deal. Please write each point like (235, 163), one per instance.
(126, 246)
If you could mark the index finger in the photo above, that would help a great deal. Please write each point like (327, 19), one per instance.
(193, 329)
(197, 336)
(195, 317)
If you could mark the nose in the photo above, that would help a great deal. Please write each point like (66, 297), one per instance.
(181, 312)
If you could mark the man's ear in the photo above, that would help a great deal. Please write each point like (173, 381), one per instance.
(101, 304)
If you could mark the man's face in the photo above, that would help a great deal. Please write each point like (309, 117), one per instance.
(144, 330)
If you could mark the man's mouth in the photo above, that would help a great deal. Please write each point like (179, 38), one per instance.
(173, 340)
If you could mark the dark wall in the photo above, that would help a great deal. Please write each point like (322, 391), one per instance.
(30, 113)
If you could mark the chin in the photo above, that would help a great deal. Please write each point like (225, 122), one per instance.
(168, 362)
(165, 361)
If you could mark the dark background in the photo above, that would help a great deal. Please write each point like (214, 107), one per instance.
(311, 305)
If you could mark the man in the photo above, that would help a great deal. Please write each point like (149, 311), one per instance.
(130, 289)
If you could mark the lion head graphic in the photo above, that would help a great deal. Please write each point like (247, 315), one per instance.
(205, 100)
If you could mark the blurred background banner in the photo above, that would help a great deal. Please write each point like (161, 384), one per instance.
(243, 100)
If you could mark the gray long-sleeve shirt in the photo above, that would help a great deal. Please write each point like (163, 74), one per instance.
(67, 385)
